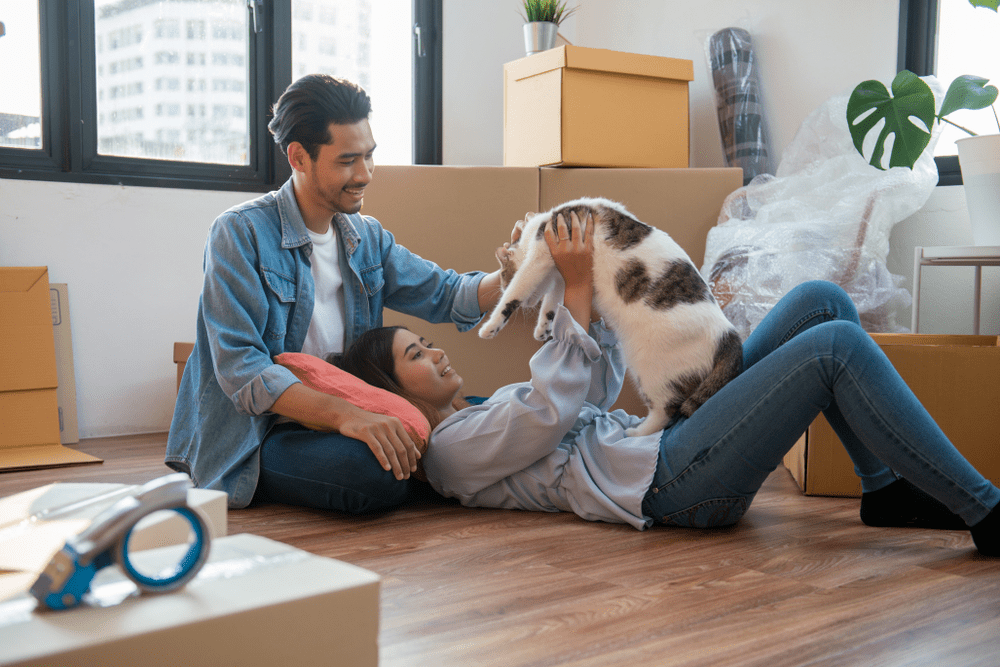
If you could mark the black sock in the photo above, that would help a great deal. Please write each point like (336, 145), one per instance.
(986, 534)
(901, 504)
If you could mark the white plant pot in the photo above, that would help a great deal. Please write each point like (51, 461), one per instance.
(539, 36)
(980, 160)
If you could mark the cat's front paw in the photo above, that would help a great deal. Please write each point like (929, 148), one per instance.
(487, 331)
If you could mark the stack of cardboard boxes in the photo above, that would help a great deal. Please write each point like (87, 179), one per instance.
(30, 433)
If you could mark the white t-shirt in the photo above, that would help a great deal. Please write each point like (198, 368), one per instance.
(326, 328)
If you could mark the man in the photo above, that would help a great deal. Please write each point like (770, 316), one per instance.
(299, 270)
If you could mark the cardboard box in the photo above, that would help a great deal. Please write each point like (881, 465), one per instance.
(579, 107)
(29, 408)
(256, 602)
(457, 217)
(69, 432)
(955, 378)
(181, 353)
(36, 523)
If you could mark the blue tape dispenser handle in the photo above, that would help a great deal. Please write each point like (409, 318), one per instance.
(69, 574)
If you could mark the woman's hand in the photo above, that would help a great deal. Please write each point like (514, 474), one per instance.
(572, 251)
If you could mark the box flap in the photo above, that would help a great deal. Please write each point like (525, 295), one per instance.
(21, 278)
(24, 297)
(603, 60)
(936, 339)
(42, 456)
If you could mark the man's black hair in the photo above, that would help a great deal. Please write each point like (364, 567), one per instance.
(305, 110)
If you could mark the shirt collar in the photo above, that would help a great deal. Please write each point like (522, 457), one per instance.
(293, 228)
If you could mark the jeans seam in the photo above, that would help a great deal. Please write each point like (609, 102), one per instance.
(794, 329)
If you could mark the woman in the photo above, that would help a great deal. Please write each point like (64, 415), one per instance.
(550, 444)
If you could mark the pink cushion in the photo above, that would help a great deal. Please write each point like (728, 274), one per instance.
(327, 378)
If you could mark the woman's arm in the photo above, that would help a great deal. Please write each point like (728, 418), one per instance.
(521, 423)
(608, 374)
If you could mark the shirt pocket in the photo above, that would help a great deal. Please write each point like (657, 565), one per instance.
(372, 279)
(281, 287)
(281, 296)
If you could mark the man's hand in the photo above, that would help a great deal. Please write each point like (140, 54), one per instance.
(385, 436)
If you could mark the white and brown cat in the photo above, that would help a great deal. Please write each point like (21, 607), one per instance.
(679, 347)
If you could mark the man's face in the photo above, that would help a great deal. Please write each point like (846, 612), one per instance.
(335, 181)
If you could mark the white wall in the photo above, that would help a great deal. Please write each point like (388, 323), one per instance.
(132, 259)
(132, 256)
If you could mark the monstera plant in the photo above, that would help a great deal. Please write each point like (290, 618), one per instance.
(911, 100)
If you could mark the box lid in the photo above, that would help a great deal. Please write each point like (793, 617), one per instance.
(603, 60)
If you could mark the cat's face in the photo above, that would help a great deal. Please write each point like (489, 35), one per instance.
(511, 255)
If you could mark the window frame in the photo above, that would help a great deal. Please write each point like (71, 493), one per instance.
(917, 52)
(68, 113)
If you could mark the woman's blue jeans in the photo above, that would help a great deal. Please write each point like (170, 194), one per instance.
(809, 355)
(326, 471)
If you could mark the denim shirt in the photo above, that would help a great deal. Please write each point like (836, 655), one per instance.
(257, 301)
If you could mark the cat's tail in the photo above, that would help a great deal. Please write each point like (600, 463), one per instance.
(728, 363)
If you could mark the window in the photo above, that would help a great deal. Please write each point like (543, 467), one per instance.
(948, 38)
(369, 43)
(20, 112)
(178, 92)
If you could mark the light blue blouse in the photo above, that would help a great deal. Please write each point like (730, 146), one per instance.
(549, 444)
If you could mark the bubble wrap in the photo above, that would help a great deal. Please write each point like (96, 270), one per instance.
(826, 214)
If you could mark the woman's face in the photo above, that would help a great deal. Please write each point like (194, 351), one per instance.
(424, 371)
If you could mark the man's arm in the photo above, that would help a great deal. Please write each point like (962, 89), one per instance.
(489, 291)
(385, 436)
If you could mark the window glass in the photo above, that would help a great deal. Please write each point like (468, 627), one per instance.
(21, 102)
(967, 38)
(173, 79)
(367, 42)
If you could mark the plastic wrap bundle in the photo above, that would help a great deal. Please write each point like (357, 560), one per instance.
(738, 101)
(826, 214)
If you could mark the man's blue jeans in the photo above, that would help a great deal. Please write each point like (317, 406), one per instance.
(809, 355)
(326, 471)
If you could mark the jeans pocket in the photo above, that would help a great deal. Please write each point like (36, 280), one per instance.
(709, 513)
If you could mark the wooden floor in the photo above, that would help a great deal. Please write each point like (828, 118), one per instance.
(799, 582)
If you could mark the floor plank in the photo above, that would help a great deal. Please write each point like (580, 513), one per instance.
(800, 581)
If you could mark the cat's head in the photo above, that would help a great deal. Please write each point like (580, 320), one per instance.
(511, 255)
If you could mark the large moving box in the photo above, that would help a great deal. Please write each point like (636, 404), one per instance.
(955, 378)
(255, 602)
(580, 107)
(29, 409)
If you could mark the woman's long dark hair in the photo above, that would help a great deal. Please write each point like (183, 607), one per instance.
(370, 359)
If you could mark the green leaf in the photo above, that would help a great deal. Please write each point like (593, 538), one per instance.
(910, 97)
(968, 92)
(989, 4)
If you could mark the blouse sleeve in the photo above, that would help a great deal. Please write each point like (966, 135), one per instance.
(520, 424)
(608, 374)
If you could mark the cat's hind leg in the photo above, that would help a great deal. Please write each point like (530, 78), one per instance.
(727, 364)
(554, 290)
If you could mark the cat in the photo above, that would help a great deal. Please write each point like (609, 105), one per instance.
(679, 347)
